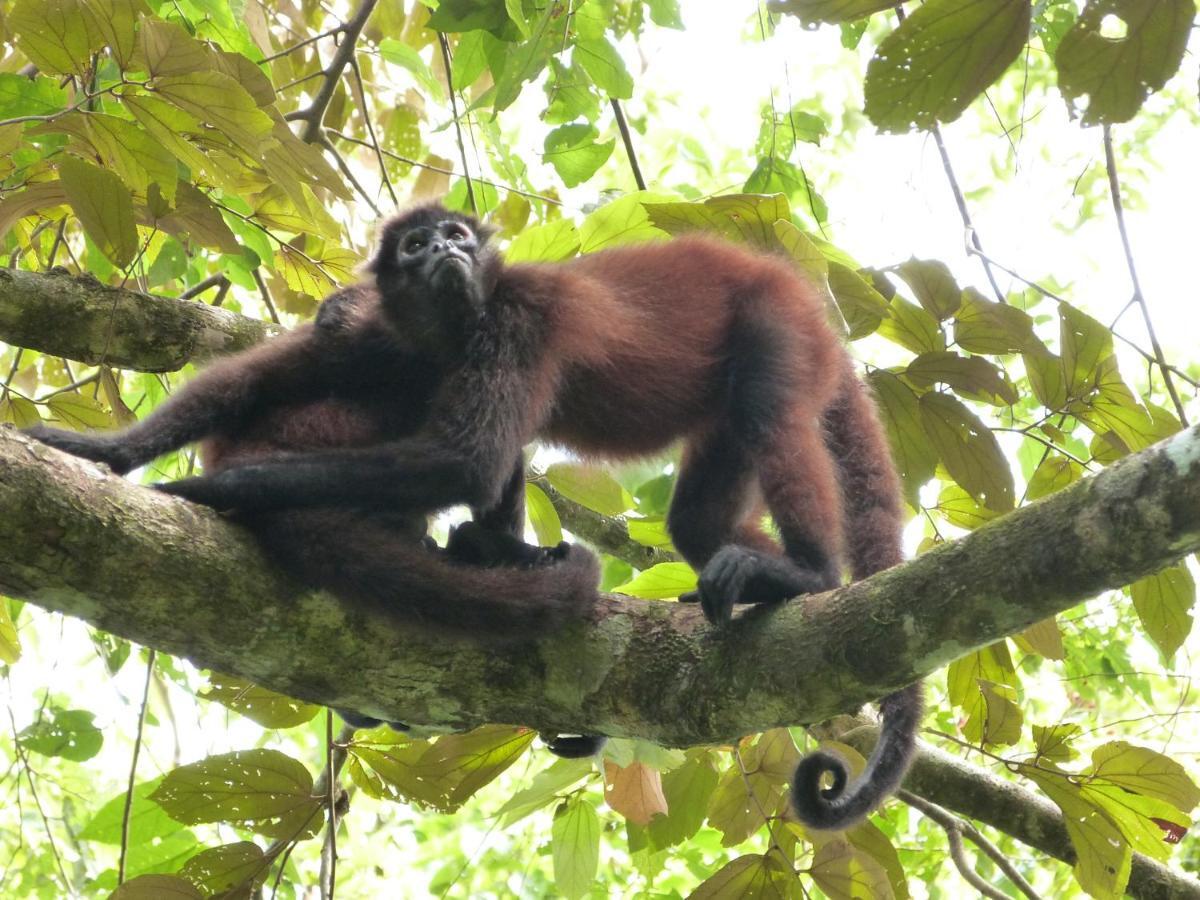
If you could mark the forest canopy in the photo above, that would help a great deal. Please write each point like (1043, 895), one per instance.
(994, 199)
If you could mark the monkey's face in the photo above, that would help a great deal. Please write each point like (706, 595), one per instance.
(431, 271)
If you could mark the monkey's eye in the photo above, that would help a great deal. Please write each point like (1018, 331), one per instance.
(414, 245)
(457, 234)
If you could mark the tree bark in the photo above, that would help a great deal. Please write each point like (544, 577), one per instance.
(176, 577)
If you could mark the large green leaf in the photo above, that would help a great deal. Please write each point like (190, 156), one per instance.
(116, 22)
(217, 99)
(66, 733)
(748, 218)
(135, 155)
(220, 869)
(56, 35)
(863, 307)
(157, 887)
(600, 59)
(1086, 343)
(900, 411)
(104, 206)
(165, 48)
(575, 846)
(1118, 53)
(575, 153)
(1164, 604)
(764, 877)
(590, 486)
(1147, 772)
(969, 451)
(933, 286)
(939, 59)
(969, 376)
(669, 579)
(10, 642)
(544, 789)
(264, 790)
(984, 326)
(267, 708)
(549, 242)
(912, 328)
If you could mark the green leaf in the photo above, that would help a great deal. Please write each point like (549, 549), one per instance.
(1046, 377)
(747, 218)
(167, 125)
(263, 790)
(156, 887)
(1053, 742)
(116, 23)
(569, 95)
(1147, 772)
(982, 326)
(688, 790)
(10, 642)
(1114, 71)
(147, 820)
(863, 307)
(969, 451)
(1140, 819)
(387, 765)
(543, 790)
(968, 680)
(57, 35)
(1002, 717)
(871, 841)
(220, 869)
(804, 252)
(600, 59)
(1102, 868)
(195, 218)
(135, 155)
(1085, 344)
(267, 708)
(665, 13)
(37, 96)
(542, 514)
(650, 532)
(912, 328)
(21, 412)
(165, 48)
(401, 54)
(246, 73)
(575, 845)
(104, 206)
(845, 873)
(469, 15)
(815, 12)
(1164, 602)
(461, 764)
(1053, 474)
(959, 508)
(66, 733)
(591, 486)
(79, 412)
(623, 221)
(551, 242)
(470, 59)
(933, 286)
(574, 152)
(900, 411)
(217, 99)
(939, 59)
(748, 877)
(669, 579)
(969, 376)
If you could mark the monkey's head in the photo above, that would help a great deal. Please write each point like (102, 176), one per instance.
(435, 270)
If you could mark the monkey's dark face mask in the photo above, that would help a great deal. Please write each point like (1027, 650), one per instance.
(433, 269)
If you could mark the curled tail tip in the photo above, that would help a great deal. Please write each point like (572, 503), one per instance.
(816, 806)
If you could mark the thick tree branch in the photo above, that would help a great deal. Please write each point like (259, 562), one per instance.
(175, 577)
(82, 319)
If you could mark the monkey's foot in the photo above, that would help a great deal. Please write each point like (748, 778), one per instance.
(358, 720)
(575, 746)
(472, 544)
(738, 574)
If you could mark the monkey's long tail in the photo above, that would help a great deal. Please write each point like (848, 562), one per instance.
(874, 520)
(369, 563)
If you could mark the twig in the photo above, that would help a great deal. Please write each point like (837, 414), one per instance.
(304, 43)
(331, 801)
(362, 94)
(202, 286)
(349, 175)
(627, 138)
(137, 746)
(221, 292)
(1114, 187)
(956, 829)
(462, 148)
(266, 295)
(432, 168)
(314, 113)
(24, 761)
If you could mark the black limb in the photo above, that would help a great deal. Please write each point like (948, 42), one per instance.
(358, 720)
(575, 746)
(739, 575)
(473, 544)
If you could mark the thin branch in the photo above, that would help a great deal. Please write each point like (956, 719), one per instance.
(137, 747)
(329, 870)
(202, 286)
(956, 829)
(462, 147)
(349, 175)
(432, 168)
(366, 114)
(23, 759)
(1114, 187)
(301, 44)
(627, 139)
(266, 295)
(314, 113)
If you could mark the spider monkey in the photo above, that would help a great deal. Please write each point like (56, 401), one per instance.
(622, 353)
(350, 380)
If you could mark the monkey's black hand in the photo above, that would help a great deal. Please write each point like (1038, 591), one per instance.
(740, 575)
(473, 544)
(575, 746)
(358, 720)
(96, 447)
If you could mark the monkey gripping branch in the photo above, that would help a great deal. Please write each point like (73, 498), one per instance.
(174, 576)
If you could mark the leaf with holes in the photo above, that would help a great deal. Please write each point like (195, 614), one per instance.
(264, 790)
(815, 12)
(939, 59)
(267, 708)
(66, 733)
(970, 376)
(219, 869)
(1118, 53)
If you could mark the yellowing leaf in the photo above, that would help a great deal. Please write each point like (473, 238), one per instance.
(267, 708)
(550, 242)
(751, 877)
(79, 412)
(590, 486)
(21, 412)
(1147, 772)
(1054, 742)
(575, 846)
(1003, 718)
(1163, 602)
(669, 579)
(1116, 72)
(939, 59)
(844, 872)
(56, 35)
(165, 48)
(116, 23)
(135, 155)
(747, 218)
(814, 12)
(1043, 638)
(460, 764)
(104, 206)
(635, 791)
(543, 516)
